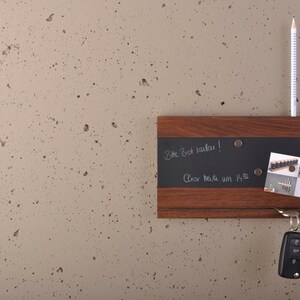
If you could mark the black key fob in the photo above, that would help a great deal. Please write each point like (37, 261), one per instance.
(289, 260)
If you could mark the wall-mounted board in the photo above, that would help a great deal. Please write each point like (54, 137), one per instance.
(215, 167)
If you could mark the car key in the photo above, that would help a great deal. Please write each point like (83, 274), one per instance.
(289, 259)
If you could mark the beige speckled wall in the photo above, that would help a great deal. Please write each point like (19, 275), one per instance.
(82, 83)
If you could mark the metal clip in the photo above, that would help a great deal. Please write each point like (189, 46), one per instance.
(294, 218)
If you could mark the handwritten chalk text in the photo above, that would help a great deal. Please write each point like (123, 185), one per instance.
(185, 152)
(189, 178)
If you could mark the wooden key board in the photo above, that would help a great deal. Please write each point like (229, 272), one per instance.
(215, 167)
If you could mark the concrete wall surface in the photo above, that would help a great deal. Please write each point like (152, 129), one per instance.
(82, 83)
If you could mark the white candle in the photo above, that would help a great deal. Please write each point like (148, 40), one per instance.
(293, 69)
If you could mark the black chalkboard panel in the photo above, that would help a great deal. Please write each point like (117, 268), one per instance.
(217, 162)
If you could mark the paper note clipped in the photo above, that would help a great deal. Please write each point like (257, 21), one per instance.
(283, 175)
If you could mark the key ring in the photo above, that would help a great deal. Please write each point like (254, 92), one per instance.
(294, 226)
(294, 218)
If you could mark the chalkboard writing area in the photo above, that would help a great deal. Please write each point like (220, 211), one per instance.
(218, 162)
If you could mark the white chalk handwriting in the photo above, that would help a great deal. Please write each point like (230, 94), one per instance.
(185, 152)
(211, 178)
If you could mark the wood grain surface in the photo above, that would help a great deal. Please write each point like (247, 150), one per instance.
(228, 127)
(218, 213)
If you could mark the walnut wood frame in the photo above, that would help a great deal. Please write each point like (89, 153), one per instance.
(224, 202)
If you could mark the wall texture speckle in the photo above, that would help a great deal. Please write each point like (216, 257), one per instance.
(82, 83)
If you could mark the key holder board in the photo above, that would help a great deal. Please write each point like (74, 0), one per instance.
(215, 167)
